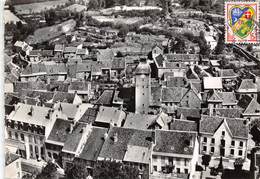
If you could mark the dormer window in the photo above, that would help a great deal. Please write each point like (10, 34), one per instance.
(223, 133)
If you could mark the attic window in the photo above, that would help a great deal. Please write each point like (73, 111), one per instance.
(172, 147)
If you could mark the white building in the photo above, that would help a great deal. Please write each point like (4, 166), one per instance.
(142, 87)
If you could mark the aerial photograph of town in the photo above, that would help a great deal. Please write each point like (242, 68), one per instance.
(131, 89)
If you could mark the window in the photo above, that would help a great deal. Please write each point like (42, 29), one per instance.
(155, 168)
(186, 171)
(223, 133)
(155, 158)
(17, 165)
(55, 156)
(30, 138)
(232, 152)
(163, 168)
(16, 136)
(205, 139)
(223, 142)
(241, 144)
(178, 170)
(204, 148)
(49, 154)
(22, 137)
(213, 141)
(10, 134)
(240, 152)
(140, 167)
(212, 149)
(233, 143)
(185, 162)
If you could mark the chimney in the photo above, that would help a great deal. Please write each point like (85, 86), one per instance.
(115, 137)
(31, 111)
(105, 136)
(60, 108)
(71, 128)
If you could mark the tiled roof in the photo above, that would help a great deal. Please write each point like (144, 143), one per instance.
(89, 116)
(58, 47)
(57, 86)
(227, 112)
(244, 101)
(60, 131)
(43, 95)
(47, 53)
(247, 84)
(118, 63)
(137, 154)
(56, 68)
(156, 96)
(79, 86)
(35, 53)
(73, 139)
(176, 81)
(105, 54)
(253, 107)
(188, 113)
(63, 96)
(174, 142)
(116, 149)
(94, 144)
(214, 96)
(70, 50)
(183, 125)
(38, 116)
(10, 158)
(182, 57)
(227, 73)
(159, 61)
(18, 86)
(106, 98)
(84, 67)
(173, 94)
(11, 99)
(209, 125)
(229, 98)
(70, 110)
(139, 121)
(109, 114)
(81, 51)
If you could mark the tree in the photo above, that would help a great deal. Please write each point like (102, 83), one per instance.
(220, 45)
(113, 170)
(48, 172)
(205, 160)
(77, 171)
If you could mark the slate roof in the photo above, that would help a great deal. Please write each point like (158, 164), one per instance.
(57, 86)
(70, 110)
(116, 149)
(209, 125)
(105, 54)
(60, 131)
(79, 86)
(173, 94)
(81, 51)
(43, 95)
(84, 67)
(18, 86)
(137, 154)
(174, 142)
(94, 144)
(227, 112)
(58, 48)
(34, 68)
(229, 98)
(139, 121)
(182, 57)
(47, 53)
(89, 116)
(183, 125)
(35, 53)
(244, 101)
(73, 140)
(57, 68)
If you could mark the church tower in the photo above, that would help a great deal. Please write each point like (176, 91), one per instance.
(142, 87)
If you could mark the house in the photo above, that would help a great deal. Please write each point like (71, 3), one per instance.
(188, 59)
(118, 68)
(33, 71)
(57, 137)
(83, 70)
(75, 143)
(247, 87)
(29, 125)
(58, 50)
(69, 51)
(80, 53)
(13, 167)
(23, 46)
(35, 55)
(174, 154)
(83, 89)
(130, 146)
(212, 83)
(157, 50)
(107, 116)
(222, 136)
(56, 71)
(92, 147)
(250, 107)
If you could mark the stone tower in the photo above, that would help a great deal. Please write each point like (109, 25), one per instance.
(142, 87)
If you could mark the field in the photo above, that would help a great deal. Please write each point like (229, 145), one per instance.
(122, 20)
(76, 8)
(48, 33)
(38, 7)
(10, 17)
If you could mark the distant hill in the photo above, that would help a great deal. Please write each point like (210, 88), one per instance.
(16, 2)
